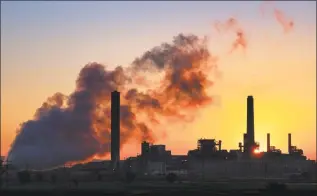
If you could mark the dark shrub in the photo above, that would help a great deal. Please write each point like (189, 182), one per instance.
(24, 177)
(171, 177)
(130, 176)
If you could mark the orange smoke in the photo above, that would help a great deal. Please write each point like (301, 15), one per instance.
(232, 25)
(141, 81)
(75, 128)
(287, 23)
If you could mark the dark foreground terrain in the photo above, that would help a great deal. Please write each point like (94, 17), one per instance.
(183, 192)
(165, 189)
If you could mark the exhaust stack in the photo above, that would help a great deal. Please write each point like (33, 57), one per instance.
(220, 142)
(250, 125)
(115, 129)
(268, 143)
(289, 143)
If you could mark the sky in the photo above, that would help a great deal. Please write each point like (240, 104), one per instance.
(45, 44)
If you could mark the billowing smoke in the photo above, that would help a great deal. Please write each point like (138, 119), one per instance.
(232, 25)
(76, 128)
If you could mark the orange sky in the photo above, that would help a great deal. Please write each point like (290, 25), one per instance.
(278, 69)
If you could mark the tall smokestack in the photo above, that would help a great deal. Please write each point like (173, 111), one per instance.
(115, 128)
(289, 143)
(268, 142)
(250, 123)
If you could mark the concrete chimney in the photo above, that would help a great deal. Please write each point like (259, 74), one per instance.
(220, 145)
(289, 143)
(115, 128)
(250, 124)
(268, 143)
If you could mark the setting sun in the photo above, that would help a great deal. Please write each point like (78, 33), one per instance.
(256, 151)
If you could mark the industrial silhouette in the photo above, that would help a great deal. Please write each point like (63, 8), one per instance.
(208, 162)
(206, 148)
(209, 159)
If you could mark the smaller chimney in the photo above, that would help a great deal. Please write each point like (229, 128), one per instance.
(268, 143)
(289, 143)
(245, 142)
(240, 146)
(220, 145)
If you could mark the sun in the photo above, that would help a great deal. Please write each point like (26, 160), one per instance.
(256, 151)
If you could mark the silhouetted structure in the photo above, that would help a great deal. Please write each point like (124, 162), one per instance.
(154, 152)
(115, 128)
(208, 160)
(268, 143)
(249, 143)
(293, 150)
(271, 151)
(289, 143)
(145, 148)
(209, 148)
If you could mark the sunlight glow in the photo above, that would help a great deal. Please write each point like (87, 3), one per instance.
(256, 151)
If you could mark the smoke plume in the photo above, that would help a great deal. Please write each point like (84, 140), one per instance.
(286, 22)
(76, 128)
(232, 25)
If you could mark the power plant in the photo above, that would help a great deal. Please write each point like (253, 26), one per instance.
(210, 159)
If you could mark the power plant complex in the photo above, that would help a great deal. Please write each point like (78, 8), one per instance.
(209, 160)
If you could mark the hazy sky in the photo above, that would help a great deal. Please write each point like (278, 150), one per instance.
(45, 44)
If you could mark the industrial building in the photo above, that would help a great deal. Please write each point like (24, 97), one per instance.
(248, 150)
(209, 160)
